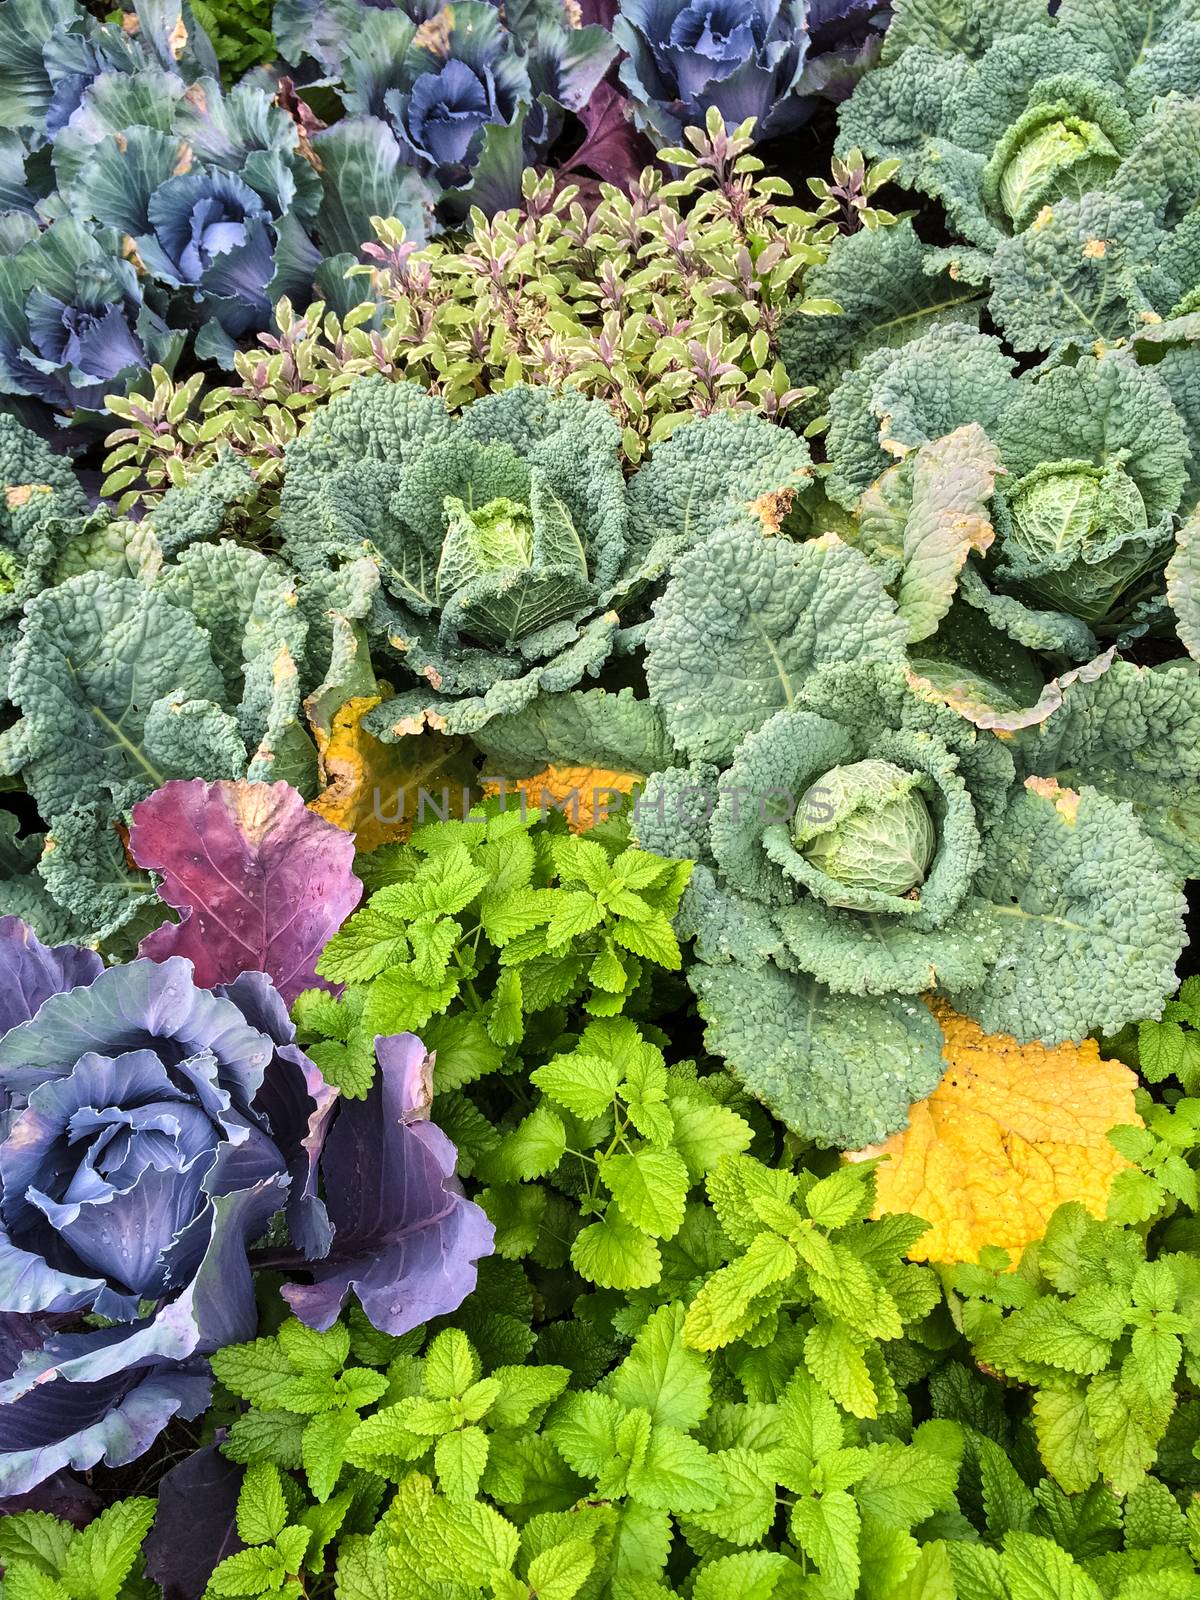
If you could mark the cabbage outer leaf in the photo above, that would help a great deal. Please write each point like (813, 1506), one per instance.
(1133, 733)
(746, 619)
(1091, 921)
(119, 691)
(890, 287)
(1183, 585)
(727, 471)
(929, 518)
(835, 1068)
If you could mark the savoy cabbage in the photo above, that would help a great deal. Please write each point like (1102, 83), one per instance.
(128, 668)
(1065, 150)
(1047, 502)
(1000, 110)
(861, 844)
(881, 287)
(513, 557)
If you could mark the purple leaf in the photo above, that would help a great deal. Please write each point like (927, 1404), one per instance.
(30, 972)
(297, 1103)
(612, 148)
(196, 1524)
(64, 1496)
(47, 1425)
(260, 882)
(405, 1237)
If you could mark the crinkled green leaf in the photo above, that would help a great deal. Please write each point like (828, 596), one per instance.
(743, 623)
(841, 1069)
(1080, 893)
(96, 655)
(878, 277)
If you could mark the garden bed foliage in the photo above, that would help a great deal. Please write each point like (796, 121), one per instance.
(600, 641)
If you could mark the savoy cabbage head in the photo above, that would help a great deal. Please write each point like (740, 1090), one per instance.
(1046, 503)
(860, 843)
(999, 111)
(1065, 150)
(513, 557)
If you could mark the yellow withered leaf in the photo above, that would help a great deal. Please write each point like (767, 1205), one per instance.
(585, 795)
(372, 789)
(1010, 1133)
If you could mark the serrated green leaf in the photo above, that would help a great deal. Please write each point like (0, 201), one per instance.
(505, 1019)
(747, 1504)
(261, 1509)
(101, 1558)
(650, 1187)
(704, 1133)
(349, 1067)
(323, 1450)
(845, 1196)
(661, 1376)
(362, 1571)
(613, 1254)
(585, 1432)
(256, 1372)
(250, 1572)
(24, 1581)
(460, 1459)
(582, 1083)
(266, 1436)
(35, 1537)
(536, 1146)
(522, 1391)
(312, 1352)
(560, 1572)
(575, 912)
(676, 1474)
(398, 1002)
(835, 1358)
(451, 1365)
(462, 1050)
(827, 1531)
(724, 1308)
(517, 1211)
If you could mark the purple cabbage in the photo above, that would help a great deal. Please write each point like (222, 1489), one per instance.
(136, 1168)
(213, 235)
(405, 1239)
(73, 323)
(443, 104)
(54, 1416)
(151, 1131)
(195, 1526)
(472, 94)
(772, 60)
(445, 112)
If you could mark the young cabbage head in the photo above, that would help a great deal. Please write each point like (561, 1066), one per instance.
(1078, 536)
(498, 535)
(1049, 154)
(868, 826)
